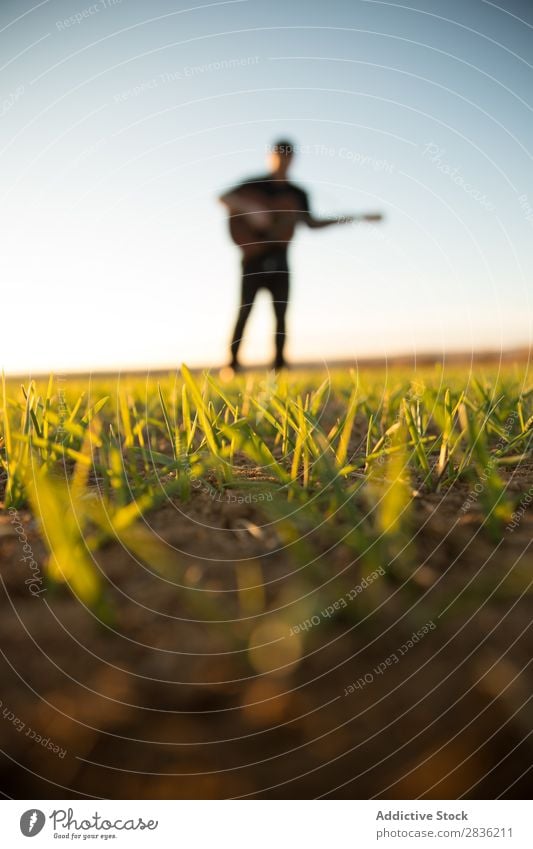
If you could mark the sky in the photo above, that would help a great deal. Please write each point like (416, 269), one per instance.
(121, 122)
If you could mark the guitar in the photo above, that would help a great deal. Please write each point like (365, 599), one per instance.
(274, 222)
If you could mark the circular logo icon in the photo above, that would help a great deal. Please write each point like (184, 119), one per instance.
(32, 822)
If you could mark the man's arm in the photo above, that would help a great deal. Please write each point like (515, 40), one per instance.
(318, 223)
(306, 216)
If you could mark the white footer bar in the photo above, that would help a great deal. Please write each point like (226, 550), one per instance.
(267, 824)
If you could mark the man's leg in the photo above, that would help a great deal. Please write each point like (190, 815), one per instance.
(248, 293)
(280, 299)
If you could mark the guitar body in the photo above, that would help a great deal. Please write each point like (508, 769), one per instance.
(282, 216)
(250, 241)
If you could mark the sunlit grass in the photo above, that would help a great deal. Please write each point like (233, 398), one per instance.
(347, 455)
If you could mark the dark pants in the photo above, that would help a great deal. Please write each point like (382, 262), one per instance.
(269, 271)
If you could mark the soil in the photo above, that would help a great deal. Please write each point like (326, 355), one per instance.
(166, 699)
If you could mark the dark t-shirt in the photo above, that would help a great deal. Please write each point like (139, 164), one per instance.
(265, 184)
(284, 200)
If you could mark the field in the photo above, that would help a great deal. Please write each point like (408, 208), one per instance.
(301, 585)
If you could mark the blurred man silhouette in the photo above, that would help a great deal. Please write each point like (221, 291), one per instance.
(263, 214)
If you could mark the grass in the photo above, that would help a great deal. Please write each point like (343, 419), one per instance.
(344, 460)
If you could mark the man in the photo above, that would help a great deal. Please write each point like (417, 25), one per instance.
(264, 212)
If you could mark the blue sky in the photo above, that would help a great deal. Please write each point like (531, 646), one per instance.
(122, 120)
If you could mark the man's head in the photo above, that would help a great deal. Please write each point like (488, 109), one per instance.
(280, 157)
